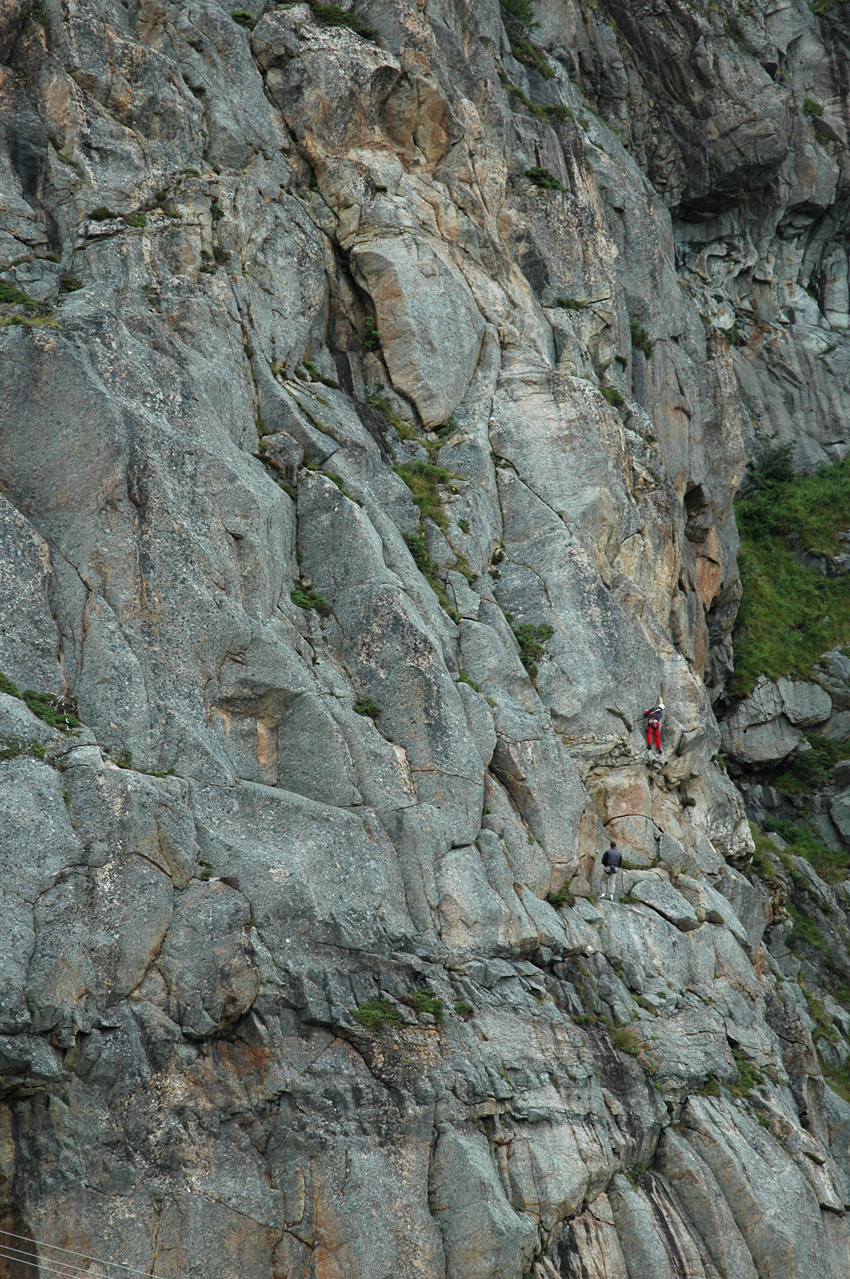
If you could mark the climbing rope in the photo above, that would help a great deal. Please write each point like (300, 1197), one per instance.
(66, 1268)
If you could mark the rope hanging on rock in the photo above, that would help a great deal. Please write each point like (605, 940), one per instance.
(62, 1267)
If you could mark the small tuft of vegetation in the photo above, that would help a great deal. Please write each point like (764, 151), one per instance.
(561, 898)
(790, 613)
(305, 597)
(571, 304)
(811, 770)
(812, 108)
(331, 15)
(365, 706)
(711, 1087)
(749, 1075)
(544, 178)
(52, 710)
(635, 1173)
(69, 283)
(8, 686)
(463, 1010)
(370, 339)
(244, 18)
(375, 1014)
(14, 747)
(532, 640)
(824, 1029)
(429, 569)
(422, 1001)
(423, 479)
(582, 1019)
(522, 10)
(623, 1039)
(15, 297)
(640, 338)
(529, 54)
(136, 219)
(613, 396)
(102, 214)
(804, 930)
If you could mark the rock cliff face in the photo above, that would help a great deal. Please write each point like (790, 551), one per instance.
(375, 386)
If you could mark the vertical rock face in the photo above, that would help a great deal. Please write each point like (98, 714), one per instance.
(375, 384)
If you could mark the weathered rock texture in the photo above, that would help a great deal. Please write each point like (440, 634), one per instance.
(262, 263)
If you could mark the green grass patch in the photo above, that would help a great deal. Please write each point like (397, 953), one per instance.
(136, 219)
(832, 866)
(463, 1010)
(423, 479)
(50, 710)
(571, 304)
(532, 640)
(375, 1014)
(529, 54)
(244, 18)
(13, 747)
(813, 769)
(8, 687)
(790, 613)
(102, 214)
(428, 568)
(544, 178)
(749, 1075)
(838, 1078)
(804, 930)
(824, 1028)
(811, 107)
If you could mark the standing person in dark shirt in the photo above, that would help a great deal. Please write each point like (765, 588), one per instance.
(612, 860)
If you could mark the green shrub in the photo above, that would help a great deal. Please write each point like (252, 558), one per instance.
(522, 10)
(8, 687)
(790, 613)
(543, 178)
(571, 304)
(15, 297)
(711, 1087)
(305, 597)
(635, 1173)
(640, 338)
(136, 219)
(50, 710)
(333, 16)
(371, 338)
(613, 396)
(623, 1039)
(532, 640)
(365, 706)
(102, 214)
(463, 1010)
(811, 107)
(375, 1014)
(422, 1001)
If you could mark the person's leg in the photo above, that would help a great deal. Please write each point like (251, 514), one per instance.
(656, 728)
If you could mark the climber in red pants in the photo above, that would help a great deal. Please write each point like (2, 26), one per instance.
(653, 718)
